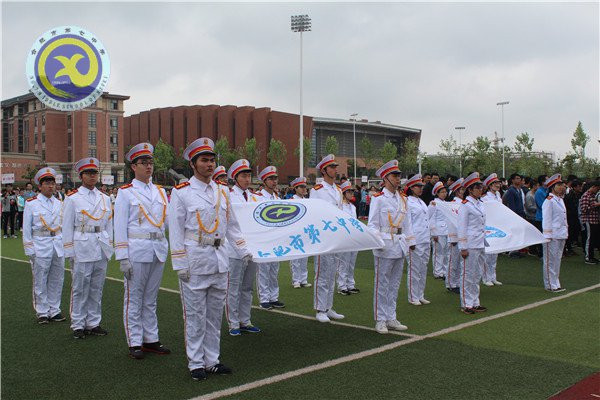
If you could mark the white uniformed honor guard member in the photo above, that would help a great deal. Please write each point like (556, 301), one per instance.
(471, 243)
(42, 241)
(220, 175)
(141, 247)
(299, 266)
(326, 264)
(416, 276)
(240, 278)
(200, 219)
(266, 278)
(88, 241)
(389, 215)
(346, 284)
(453, 275)
(555, 228)
(439, 232)
(493, 194)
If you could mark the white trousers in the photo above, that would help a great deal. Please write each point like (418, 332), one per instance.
(345, 277)
(453, 275)
(470, 275)
(489, 268)
(325, 269)
(240, 280)
(139, 303)
(441, 250)
(299, 269)
(267, 283)
(86, 293)
(551, 262)
(388, 275)
(417, 271)
(48, 274)
(202, 299)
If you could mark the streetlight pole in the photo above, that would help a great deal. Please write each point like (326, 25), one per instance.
(354, 139)
(460, 155)
(502, 104)
(301, 23)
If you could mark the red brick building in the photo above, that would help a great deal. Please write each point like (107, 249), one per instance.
(34, 135)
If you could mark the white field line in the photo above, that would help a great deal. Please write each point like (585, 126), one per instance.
(291, 314)
(357, 356)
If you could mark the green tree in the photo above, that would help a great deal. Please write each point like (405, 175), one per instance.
(308, 153)
(164, 155)
(579, 141)
(225, 154)
(250, 151)
(523, 143)
(407, 161)
(30, 173)
(331, 145)
(368, 153)
(277, 154)
(389, 151)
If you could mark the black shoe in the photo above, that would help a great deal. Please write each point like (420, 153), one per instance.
(439, 277)
(219, 369)
(58, 318)
(97, 331)
(136, 352)
(479, 309)
(557, 290)
(344, 292)
(156, 347)
(455, 290)
(266, 306)
(591, 261)
(354, 290)
(198, 374)
(78, 334)
(468, 310)
(43, 320)
(277, 304)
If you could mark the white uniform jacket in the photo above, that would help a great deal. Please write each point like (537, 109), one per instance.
(420, 222)
(349, 208)
(489, 196)
(193, 202)
(264, 195)
(87, 225)
(471, 224)
(138, 208)
(453, 229)
(42, 223)
(554, 218)
(437, 221)
(330, 193)
(397, 235)
(236, 195)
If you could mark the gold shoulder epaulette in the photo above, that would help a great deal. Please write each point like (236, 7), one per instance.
(182, 185)
(72, 192)
(317, 187)
(549, 197)
(126, 186)
(32, 198)
(378, 194)
(465, 201)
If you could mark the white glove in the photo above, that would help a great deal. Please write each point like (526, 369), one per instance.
(32, 259)
(247, 259)
(184, 275)
(126, 269)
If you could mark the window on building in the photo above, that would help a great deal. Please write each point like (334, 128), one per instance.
(114, 156)
(114, 139)
(43, 154)
(92, 138)
(114, 104)
(69, 156)
(34, 105)
(35, 122)
(43, 120)
(92, 120)
(26, 136)
(114, 123)
(43, 105)
(92, 152)
(35, 137)
(43, 137)
(69, 139)
(69, 121)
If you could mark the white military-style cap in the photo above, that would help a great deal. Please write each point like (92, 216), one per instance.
(199, 146)
(237, 167)
(553, 180)
(327, 161)
(456, 184)
(220, 170)
(414, 181)
(491, 178)
(267, 172)
(346, 186)
(436, 188)
(139, 150)
(45, 172)
(298, 182)
(390, 167)
(86, 164)
(471, 180)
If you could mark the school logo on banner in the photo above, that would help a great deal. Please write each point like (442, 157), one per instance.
(67, 68)
(278, 214)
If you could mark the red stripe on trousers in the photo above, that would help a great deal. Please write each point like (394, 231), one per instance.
(317, 282)
(463, 282)
(410, 274)
(376, 288)
(127, 315)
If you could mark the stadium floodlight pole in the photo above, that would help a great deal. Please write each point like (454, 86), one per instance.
(301, 23)
(354, 139)
(502, 104)
(460, 129)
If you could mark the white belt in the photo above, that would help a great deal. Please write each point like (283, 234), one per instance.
(89, 229)
(45, 233)
(395, 231)
(148, 236)
(203, 240)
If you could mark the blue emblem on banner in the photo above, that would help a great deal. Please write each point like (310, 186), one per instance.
(492, 232)
(278, 214)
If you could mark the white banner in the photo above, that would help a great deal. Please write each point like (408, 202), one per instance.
(505, 230)
(108, 180)
(279, 230)
(8, 178)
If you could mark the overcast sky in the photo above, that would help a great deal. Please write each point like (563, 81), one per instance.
(431, 66)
